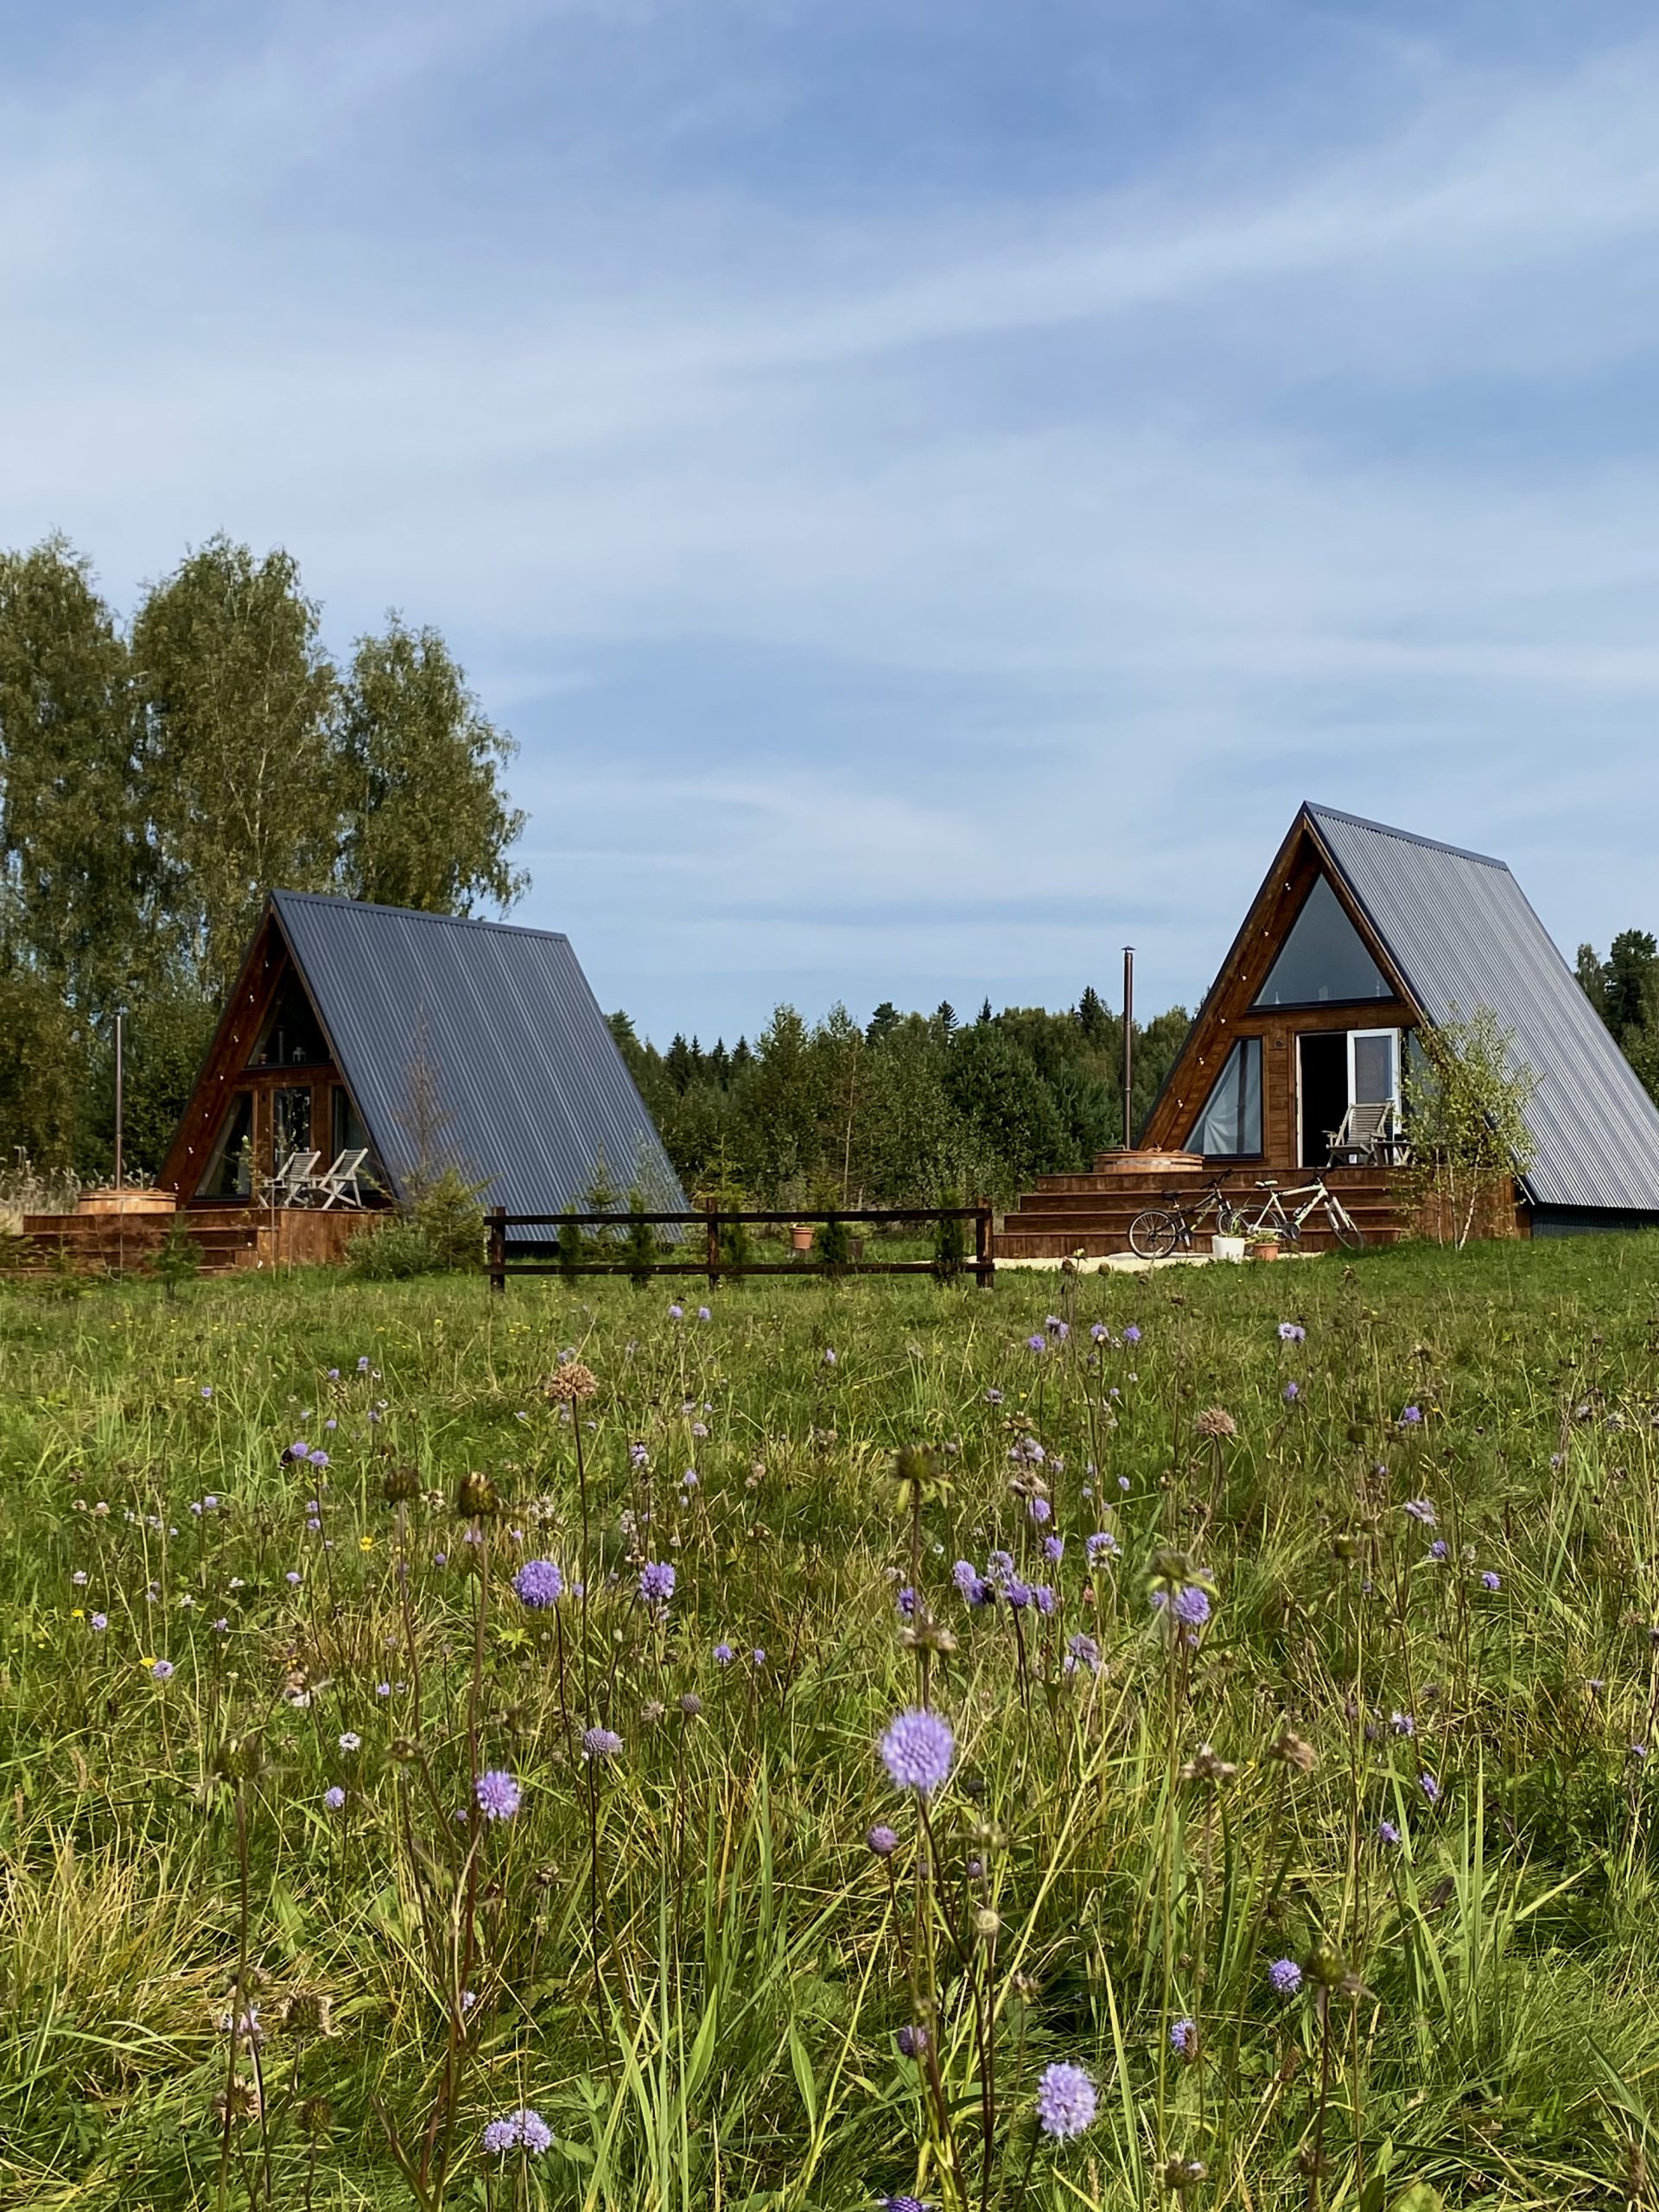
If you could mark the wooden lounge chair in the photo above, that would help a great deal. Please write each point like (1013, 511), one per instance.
(295, 1180)
(340, 1187)
(1368, 1135)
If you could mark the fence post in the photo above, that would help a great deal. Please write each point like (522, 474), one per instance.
(498, 1259)
(984, 1264)
(712, 1228)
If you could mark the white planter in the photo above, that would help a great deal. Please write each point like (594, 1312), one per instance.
(1227, 1248)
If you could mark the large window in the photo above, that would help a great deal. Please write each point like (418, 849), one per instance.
(229, 1172)
(1323, 958)
(1230, 1124)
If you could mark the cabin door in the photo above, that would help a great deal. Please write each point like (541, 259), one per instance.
(1336, 1069)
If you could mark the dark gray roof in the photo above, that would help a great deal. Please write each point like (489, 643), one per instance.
(1459, 928)
(521, 1061)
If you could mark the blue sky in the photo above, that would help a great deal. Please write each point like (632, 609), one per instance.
(929, 487)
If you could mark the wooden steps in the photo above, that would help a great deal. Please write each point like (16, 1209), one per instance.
(1091, 1213)
(227, 1238)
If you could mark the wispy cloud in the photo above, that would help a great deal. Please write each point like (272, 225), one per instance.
(1050, 537)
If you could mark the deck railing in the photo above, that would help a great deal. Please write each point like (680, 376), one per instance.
(715, 1220)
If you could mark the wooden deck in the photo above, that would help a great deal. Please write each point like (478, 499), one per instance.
(1091, 1213)
(227, 1237)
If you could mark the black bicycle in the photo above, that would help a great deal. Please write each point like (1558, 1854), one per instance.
(1159, 1230)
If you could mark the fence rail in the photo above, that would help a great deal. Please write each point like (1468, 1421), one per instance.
(712, 1220)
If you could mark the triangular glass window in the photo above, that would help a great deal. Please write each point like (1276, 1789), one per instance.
(290, 1037)
(1323, 958)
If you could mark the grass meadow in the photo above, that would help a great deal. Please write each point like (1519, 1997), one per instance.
(382, 1824)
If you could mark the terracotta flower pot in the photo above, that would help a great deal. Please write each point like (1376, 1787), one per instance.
(801, 1235)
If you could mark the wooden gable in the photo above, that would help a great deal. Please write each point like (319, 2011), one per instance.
(1231, 1011)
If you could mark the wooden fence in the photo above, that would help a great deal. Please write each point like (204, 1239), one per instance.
(712, 1220)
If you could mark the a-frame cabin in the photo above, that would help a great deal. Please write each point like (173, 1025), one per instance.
(422, 1041)
(1360, 938)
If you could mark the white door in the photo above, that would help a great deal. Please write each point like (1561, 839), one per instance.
(1374, 1067)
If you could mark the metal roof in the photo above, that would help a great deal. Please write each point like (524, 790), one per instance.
(1458, 927)
(524, 1077)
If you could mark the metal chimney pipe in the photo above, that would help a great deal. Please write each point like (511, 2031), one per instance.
(120, 1099)
(1129, 1048)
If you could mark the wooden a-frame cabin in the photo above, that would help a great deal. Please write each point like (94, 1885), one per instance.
(1360, 939)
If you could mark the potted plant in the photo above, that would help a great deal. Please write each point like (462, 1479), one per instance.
(1227, 1248)
(1264, 1244)
(801, 1235)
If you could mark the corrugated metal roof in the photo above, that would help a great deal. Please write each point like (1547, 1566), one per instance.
(1459, 930)
(521, 1061)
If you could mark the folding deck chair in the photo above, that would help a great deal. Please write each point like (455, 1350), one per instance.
(1369, 1135)
(295, 1179)
(340, 1187)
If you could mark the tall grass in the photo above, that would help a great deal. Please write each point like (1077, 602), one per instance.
(1315, 1831)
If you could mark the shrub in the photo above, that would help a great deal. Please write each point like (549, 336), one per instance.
(441, 1230)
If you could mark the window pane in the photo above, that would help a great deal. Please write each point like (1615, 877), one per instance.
(1375, 1078)
(1322, 958)
(1231, 1121)
(290, 1037)
(228, 1173)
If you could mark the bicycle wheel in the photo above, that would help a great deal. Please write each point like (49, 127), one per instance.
(1154, 1235)
(1346, 1229)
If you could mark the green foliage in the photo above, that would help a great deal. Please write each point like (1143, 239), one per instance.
(425, 822)
(950, 1242)
(1466, 1098)
(834, 1244)
(441, 1232)
(178, 1260)
(1624, 990)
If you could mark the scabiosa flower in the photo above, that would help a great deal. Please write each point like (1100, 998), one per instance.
(1284, 1977)
(882, 1840)
(1132, 1334)
(162, 1669)
(1057, 1328)
(539, 1583)
(999, 1567)
(1184, 2038)
(334, 1798)
(1036, 1344)
(1066, 2100)
(318, 1458)
(972, 1583)
(1099, 1332)
(1387, 1833)
(1290, 1332)
(1039, 1510)
(993, 1397)
(1018, 1593)
(1411, 1416)
(600, 1744)
(906, 1603)
(499, 1795)
(828, 1356)
(1082, 1651)
(1102, 1545)
(1437, 1549)
(99, 1622)
(912, 2042)
(919, 1749)
(724, 1655)
(1492, 1581)
(703, 1313)
(1422, 1508)
(904, 2204)
(676, 1313)
(1043, 1598)
(1431, 1788)
(1053, 1549)
(1291, 1392)
(1191, 1606)
(657, 1580)
(517, 2131)
(351, 1741)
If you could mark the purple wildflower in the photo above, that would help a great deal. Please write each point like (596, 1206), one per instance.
(1411, 1416)
(334, 1798)
(906, 1603)
(1184, 2038)
(600, 1744)
(1036, 1344)
(676, 1313)
(657, 1580)
(1191, 1606)
(1387, 1833)
(912, 2042)
(1082, 1651)
(1290, 1332)
(162, 1669)
(1099, 1332)
(882, 1840)
(499, 1795)
(1053, 1549)
(539, 1583)
(100, 1621)
(1102, 1545)
(1437, 1549)
(1431, 1788)
(1284, 1977)
(1492, 1581)
(918, 1751)
(1291, 1392)
(724, 1655)
(517, 2131)
(1057, 1328)
(1422, 1508)
(1066, 2100)
(1132, 1334)
(1039, 1510)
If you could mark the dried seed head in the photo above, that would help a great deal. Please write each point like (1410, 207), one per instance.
(1206, 1767)
(1290, 1749)
(399, 1484)
(1213, 1421)
(1183, 2174)
(477, 1497)
(569, 1384)
(237, 2105)
(241, 1759)
(306, 2013)
(987, 1924)
(316, 2116)
(914, 1467)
